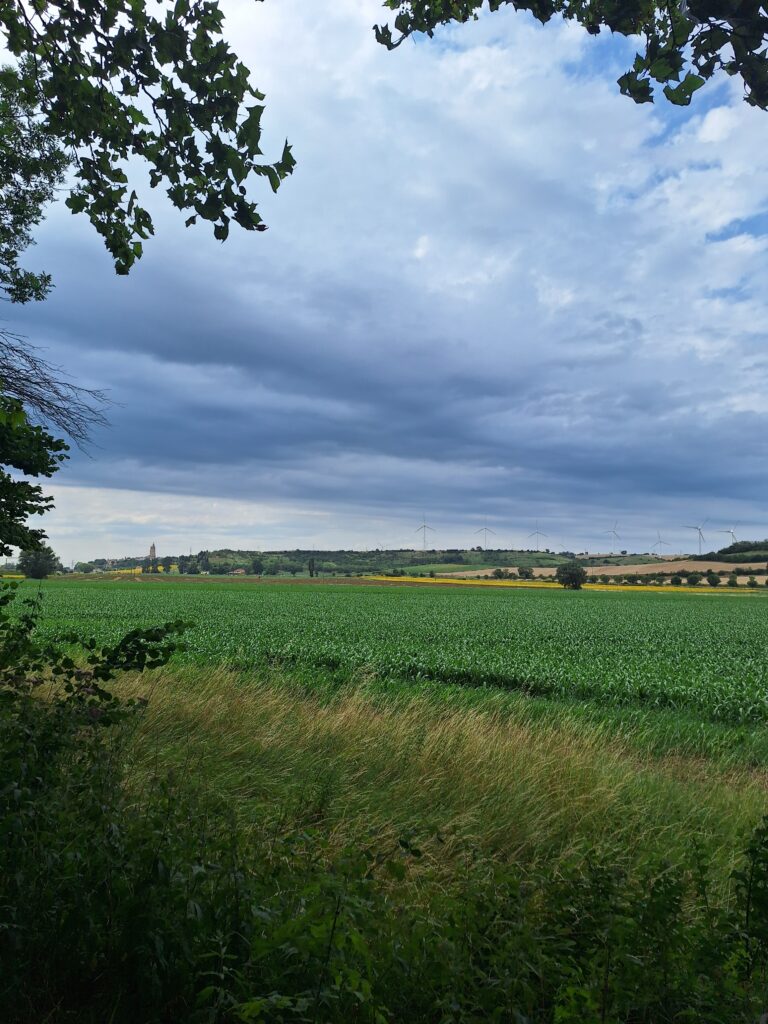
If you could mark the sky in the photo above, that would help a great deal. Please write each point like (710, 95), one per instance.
(494, 292)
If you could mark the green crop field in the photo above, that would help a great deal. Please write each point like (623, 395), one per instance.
(707, 656)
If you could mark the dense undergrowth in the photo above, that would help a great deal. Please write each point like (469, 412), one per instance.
(145, 898)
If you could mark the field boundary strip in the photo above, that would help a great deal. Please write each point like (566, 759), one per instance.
(547, 585)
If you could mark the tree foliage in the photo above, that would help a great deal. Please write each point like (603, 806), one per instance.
(115, 80)
(572, 575)
(31, 166)
(684, 43)
(32, 451)
(39, 562)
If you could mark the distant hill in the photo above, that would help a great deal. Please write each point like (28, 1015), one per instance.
(304, 562)
(742, 552)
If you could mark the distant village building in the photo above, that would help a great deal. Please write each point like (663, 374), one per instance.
(152, 553)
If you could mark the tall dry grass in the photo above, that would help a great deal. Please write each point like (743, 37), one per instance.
(458, 778)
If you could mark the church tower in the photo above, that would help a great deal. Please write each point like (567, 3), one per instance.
(152, 553)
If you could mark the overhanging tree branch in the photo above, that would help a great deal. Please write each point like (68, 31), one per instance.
(687, 42)
(47, 392)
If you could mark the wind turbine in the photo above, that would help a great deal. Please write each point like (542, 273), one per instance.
(698, 531)
(613, 535)
(731, 533)
(485, 530)
(537, 533)
(423, 530)
(660, 544)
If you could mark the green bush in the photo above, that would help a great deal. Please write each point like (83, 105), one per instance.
(571, 575)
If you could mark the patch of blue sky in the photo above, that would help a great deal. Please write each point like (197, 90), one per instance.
(756, 226)
(606, 56)
(658, 176)
(603, 56)
(672, 118)
(736, 293)
(610, 56)
(493, 29)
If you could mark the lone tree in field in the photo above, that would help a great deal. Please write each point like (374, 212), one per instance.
(571, 575)
(39, 563)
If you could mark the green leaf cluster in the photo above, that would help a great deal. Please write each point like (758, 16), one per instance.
(114, 80)
(31, 167)
(685, 42)
(30, 450)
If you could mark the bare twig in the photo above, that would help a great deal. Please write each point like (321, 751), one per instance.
(47, 391)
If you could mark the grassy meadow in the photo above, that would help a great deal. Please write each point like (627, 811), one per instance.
(524, 720)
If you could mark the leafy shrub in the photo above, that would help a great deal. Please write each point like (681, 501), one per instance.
(571, 575)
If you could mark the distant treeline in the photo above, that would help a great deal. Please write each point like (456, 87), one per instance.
(323, 562)
(307, 562)
(743, 551)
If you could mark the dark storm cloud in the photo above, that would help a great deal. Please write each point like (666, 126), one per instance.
(477, 296)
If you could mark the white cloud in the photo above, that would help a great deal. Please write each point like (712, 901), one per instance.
(489, 266)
